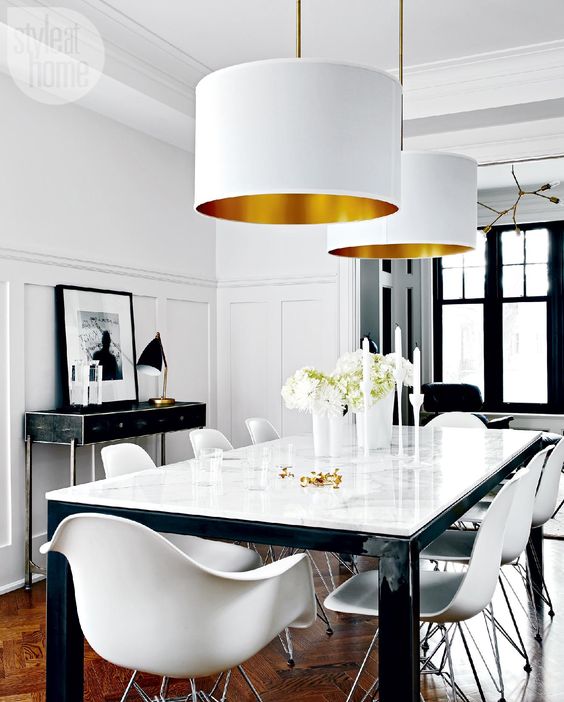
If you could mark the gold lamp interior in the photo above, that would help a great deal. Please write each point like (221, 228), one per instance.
(296, 208)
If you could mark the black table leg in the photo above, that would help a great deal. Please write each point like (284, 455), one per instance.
(65, 642)
(535, 563)
(399, 624)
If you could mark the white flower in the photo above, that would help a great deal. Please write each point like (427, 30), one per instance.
(309, 390)
(348, 377)
(405, 370)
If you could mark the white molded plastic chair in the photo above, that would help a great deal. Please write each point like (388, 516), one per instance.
(176, 618)
(209, 438)
(465, 420)
(445, 597)
(261, 430)
(456, 546)
(121, 459)
(545, 504)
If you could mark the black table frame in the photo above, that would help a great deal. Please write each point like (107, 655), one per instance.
(398, 581)
(97, 425)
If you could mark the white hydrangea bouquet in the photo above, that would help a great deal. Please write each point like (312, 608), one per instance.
(310, 390)
(348, 377)
(328, 397)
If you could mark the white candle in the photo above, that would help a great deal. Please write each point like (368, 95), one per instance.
(397, 346)
(416, 370)
(365, 360)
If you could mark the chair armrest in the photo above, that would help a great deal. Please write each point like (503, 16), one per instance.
(500, 422)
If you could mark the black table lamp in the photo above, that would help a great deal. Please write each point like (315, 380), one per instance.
(151, 363)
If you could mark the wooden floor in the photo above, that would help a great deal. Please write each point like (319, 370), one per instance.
(325, 666)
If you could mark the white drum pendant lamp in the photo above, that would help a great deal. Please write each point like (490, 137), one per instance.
(298, 141)
(438, 216)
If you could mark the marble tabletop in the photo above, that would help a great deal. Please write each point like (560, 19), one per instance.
(380, 493)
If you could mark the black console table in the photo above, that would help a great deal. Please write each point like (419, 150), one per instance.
(74, 428)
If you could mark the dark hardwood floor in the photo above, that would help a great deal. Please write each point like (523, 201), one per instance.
(325, 666)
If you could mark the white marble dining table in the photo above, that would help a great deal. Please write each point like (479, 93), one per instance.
(387, 506)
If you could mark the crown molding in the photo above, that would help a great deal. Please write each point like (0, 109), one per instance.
(484, 81)
(497, 143)
(150, 64)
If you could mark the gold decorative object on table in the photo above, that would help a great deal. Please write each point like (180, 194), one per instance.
(285, 473)
(320, 479)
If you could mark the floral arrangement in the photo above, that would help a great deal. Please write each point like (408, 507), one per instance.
(309, 390)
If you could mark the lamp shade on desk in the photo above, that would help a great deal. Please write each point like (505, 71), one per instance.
(151, 362)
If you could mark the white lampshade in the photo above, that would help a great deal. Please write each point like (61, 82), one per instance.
(438, 216)
(297, 141)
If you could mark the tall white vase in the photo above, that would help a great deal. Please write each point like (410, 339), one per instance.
(380, 420)
(336, 427)
(320, 435)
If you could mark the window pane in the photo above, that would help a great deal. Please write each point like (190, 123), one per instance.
(478, 256)
(537, 279)
(456, 261)
(536, 245)
(463, 344)
(512, 247)
(513, 281)
(524, 352)
(452, 284)
(474, 279)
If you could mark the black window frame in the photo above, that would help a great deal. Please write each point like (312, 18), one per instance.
(493, 315)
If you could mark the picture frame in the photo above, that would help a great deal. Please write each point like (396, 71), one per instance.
(97, 324)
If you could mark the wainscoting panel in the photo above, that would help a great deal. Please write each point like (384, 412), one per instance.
(266, 332)
(187, 345)
(248, 365)
(184, 311)
(313, 325)
(5, 476)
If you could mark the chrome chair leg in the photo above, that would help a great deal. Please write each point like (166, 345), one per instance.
(129, 686)
(249, 683)
(363, 666)
(142, 694)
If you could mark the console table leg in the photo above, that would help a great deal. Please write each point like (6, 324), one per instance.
(73, 462)
(28, 518)
(163, 449)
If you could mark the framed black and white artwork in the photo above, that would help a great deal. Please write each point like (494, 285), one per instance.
(97, 325)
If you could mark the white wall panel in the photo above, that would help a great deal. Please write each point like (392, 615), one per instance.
(309, 338)
(187, 346)
(5, 474)
(248, 365)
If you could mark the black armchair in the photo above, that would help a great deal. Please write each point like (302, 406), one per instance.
(459, 397)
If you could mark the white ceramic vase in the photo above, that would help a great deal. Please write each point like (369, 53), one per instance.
(380, 419)
(336, 427)
(320, 434)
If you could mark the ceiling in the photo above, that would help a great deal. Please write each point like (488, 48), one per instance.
(218, 33)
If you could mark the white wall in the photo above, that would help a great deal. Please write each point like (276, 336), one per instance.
(283, 303)
(86, 201)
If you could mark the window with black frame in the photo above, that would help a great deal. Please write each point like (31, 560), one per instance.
(498, 319)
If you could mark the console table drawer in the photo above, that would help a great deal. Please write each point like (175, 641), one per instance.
(96, 427)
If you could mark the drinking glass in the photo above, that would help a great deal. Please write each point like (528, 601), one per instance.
(285, 456)
(257, 466)
(208, 466)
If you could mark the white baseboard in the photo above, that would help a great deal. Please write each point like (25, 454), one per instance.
(10, 587)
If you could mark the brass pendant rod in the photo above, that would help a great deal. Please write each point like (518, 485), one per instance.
(298, 28)
(401, 63)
